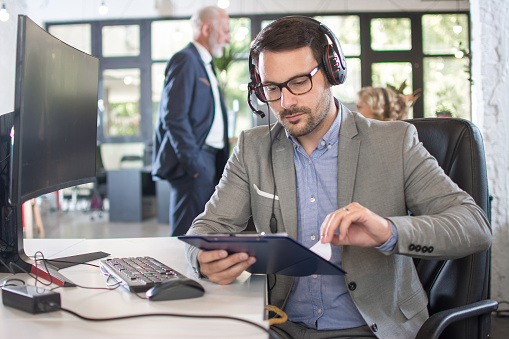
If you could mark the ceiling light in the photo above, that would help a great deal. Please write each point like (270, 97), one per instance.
(224, 4)
(4, 15)
(103, 9)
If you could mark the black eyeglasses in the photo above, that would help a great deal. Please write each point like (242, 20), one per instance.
(298, 85)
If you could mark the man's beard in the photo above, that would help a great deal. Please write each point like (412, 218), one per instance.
(216, 50)
(311, 120)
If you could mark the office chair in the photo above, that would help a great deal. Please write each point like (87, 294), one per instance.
(457, 289)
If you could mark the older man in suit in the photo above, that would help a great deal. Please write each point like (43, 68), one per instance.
(191, 137)
(335, 177)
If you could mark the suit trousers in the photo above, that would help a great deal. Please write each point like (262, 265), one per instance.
(189, 195)
(291, 330)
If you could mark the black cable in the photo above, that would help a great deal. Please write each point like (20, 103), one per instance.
(9, 269)
(45, 266)
(273, 220)
(224, 317)
(8, 282)
(36, 277)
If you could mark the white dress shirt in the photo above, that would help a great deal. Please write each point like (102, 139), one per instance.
(215, 138)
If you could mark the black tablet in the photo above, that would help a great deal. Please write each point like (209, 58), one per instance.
(275, 254)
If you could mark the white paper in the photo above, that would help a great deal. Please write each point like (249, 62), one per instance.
(323, 250)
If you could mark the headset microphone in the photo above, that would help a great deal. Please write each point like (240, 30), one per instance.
(258, 112)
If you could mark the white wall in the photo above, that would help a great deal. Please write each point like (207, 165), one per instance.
(491, 75)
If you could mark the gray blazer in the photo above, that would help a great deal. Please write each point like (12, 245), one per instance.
(382, 166)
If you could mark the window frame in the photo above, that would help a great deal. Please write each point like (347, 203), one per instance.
(367, 56)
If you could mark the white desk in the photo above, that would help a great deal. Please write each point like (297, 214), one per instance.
(241, 299)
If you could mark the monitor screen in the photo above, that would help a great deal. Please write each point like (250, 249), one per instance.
(55, 115)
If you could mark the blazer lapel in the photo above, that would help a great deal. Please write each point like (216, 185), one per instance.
(284, 175)
(348, 156)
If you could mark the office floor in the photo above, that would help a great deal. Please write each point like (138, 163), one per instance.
(78, 224)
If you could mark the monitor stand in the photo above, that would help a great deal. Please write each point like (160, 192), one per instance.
(13, 258)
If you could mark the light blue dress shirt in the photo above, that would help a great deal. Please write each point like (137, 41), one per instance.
(321, 301)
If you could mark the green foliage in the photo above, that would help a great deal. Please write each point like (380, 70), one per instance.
(123, 119)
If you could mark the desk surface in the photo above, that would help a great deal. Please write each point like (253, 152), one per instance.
(241, 299)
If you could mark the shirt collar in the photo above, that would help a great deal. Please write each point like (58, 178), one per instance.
(332, 135)
(204, 54)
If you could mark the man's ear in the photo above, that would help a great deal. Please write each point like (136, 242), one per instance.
(206, 29)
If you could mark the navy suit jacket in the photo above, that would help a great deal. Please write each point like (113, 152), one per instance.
(186, 112)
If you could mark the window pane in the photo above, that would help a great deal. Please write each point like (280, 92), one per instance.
(347, 92)
(447, 87)
(168, 37)
(391, 34)
(393, 74)
(265, 23)
(235, 95)
(119, 41)
(240, 36)
(121, 100)
(78, 36)
(444, 33)
(347, 30)
(157, 87)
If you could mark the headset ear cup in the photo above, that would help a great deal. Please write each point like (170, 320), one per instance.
(257, 89)
(254, 85)
(332, 66)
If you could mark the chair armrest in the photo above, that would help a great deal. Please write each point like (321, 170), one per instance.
(438, 322)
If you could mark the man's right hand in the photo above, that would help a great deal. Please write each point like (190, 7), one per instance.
(222, 268)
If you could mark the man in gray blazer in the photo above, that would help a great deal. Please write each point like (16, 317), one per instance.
(334, 178)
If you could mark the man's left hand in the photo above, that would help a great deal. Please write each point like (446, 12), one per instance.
(357, 225)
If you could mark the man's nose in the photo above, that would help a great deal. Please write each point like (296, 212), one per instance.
(288, 99)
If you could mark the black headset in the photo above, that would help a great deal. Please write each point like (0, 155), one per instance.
(333, 61)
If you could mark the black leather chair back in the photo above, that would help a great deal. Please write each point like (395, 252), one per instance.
(457, 145)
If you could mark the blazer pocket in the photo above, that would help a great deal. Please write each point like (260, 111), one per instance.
(415, 304)
(205, 81)
(264, 194)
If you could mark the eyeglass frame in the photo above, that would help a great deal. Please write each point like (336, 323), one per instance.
(285, 84)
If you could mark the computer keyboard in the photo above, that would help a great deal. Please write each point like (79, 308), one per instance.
(138, 274)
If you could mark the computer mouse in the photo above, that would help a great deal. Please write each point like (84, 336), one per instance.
(175, 289)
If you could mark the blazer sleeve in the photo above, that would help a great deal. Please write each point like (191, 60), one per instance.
(176, 104)
(443, 216)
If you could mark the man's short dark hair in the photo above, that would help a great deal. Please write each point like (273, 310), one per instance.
(287, 34)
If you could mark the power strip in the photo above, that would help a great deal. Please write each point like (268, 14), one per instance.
(31, 299)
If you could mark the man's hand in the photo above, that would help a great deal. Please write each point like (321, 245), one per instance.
(222, 268)
(357, 226)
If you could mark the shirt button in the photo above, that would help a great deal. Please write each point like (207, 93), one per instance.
(313, 237)
(312, 200)
(319, 311)
(323, 143)
(315, 276)
(329, 146)
(352, 286)
(310, 162)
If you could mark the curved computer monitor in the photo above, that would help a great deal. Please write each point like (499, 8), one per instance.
(55, 115)
(49, 141)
